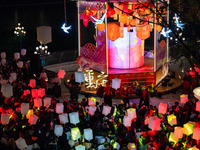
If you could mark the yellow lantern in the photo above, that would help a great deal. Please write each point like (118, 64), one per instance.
(158, 28)
(113, 31)
(172, 119)
(188, 128)
(101, 27)
(172, 138)
(123, 18)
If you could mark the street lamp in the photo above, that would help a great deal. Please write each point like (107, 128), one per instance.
(20, 32)
(42, 50)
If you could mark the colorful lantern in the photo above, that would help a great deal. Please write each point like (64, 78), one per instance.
(75, 133)
(20, 64)
(101, 26)
(133, 22)
(32, 119)
(113, 31)
(3, 61)
(85, 20)
(47, 101)
(13, 75)
(196, 92)
(59, 108)
(178, 132)
(32, 83)
(131, 146)
(183, 98)
(79, 76)
(196, 133)
(172, 138)
(24, 108)
(61, 73)
(34, 93)
(92, 110)
(162, 108)
(172, 119)
(74, 118)
(123, 18)
(23, 52)
(188, 129)
(158, 28)
(106, 110)
(80, 147)
(154, 123)
(44, 34)
(127, 121)
(26, 92)
(116, 146)
(37, 102)
(7, 90)
(16, 56)
(58, 130)
(68, 134)
(21, 143)
(110, 12)
(30, 112)
(88, 134)
(92, 101)
(63, 118)
(5, 118)
(198, 106)
(41, 92)
(116, 83)
(146, 121)
(131, 113)
(144, 31)
(3, 55)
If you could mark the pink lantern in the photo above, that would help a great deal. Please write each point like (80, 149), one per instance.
(131, 113)
(5, 118)
(183, 98)
(92, 101)
(146, 121)
(178, 132)
(33, 119)
(61, 73)
(7, 90)
(58, 130)
(24, 108)
(63, 118)
(32, 83)
(16, 56)
(37, 102)
(26, 92)
(20, 64)
(21, 143)
(106, 110)
(154, 123)
(13, 75)
(23, 52)
(3, 61)
(92, 110)
(34, 93)
(127, 121)
(172, 119)
(196, 92)
(196, 133)
(47, 101)
(3, 55)
(85, 20)
(116, 83)
(198, 106)
(162, 108)
(59, 108)
(41, 92)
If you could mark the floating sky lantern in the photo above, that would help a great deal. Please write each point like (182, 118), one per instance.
(63, 118)
(32, 83)
(132, 113)
(198, 106)
(196, 92)
(34, 93)
(58, 130)
(183, 98)
(113, 31)
(21, 143)
(3, 61)
(3, 55)
(92, 101)
(178, 132)
(75, 133)
(59, 108)
(106, 110)
(101, 26)
(188, 129)
(88, 134)
(61, 73)
(74, 117)
(162, 108)
(16, 56)
(154, 123)
(172, 138)
(24, 108)
(47, 101)
(7, 90)
(172, 119)
(33, 119)
(127, 121)
(79, 76)
(116, 83)
(91, 110)
(23, 52)
(80, 147)
(37, 102)
(20, 64)
(5, 118)
(41, 92)
(196, 133)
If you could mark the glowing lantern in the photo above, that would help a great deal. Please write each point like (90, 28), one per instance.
(75, 133)
(198, 106)
(158, 28)
(144, 32)
(123, 18)
(41, 92)
(3, 81)
(193, 148)
(21, 143)
(20, 64)
(32, 119)
(188, 128)
(92, 101)
(80, 147)
(47, 101)
(101, 27)
(63, 118)
(13, 76)
(26, 92)
(116, 83)
(3, 62)
(3, 55)
(131, 146)
(116, 146)
(154, 123)
(196, 133)
(23, 52)
(146, 121)
(106, 110)
(88, 134)
(162, 108)
(16, 56)
(127, 121)
(32, 83)
(183, 98)
(79, 76)
(68, 134)
(5, 118)
(113, 31)
(121, 32)
(172, 119)
(172, 138)
(37, 102)
(133, 22)
(85, 20)
(34, 93)
(74, 118)
(92, 110)
(178, 132)
(131, 113)
(7, 90)
(94, 11)
(110, 12)
(58, 130)
(61, 73)
(196, 92)
(30, 112)
(24, 108)
(59, 108)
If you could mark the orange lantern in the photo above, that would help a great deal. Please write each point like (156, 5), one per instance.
(85, 20)
(110, 12)
(113, 31)
(101, 27)
(123, 18)
(94, 11)
(133, 22)
(158, 28)
(144, 32)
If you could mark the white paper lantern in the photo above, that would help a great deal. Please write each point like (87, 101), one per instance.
(41, 92)
(34, 93)
(63, 118)
(74, 117)
(58, 130)
(3, 81)
(116, 146)
(154, 123)
(32, 119)
(127, 121)
(91, 110)
(100, 139)
(162, 108)
(20, 64)
(13, 77)
(88, 134)
(80, 147)
(131, 113)
(26, 92)
(24, 108)
(172, 119)
(116, 83)
(5, 118)
(3, 61)
(21, 143)
(16, 56)
(23, 52)
(44, 34)
(71, 143)
(47, 101)
(131, 146)
(3, 55)
(61, 73)
(32, 83)
(68, 134)
(106, 110)
(183, 98)
(7, 90)
(79, 77)
(198, 106)
(37, 102)
(92, 101)
(178, 132)
(59, 108)
(196, 92)
(196, 133)
(75, 133)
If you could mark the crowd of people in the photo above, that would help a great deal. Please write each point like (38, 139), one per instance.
(109, 131)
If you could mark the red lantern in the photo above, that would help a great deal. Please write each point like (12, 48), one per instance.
(85, 20)
(113, 31)
(110, 12)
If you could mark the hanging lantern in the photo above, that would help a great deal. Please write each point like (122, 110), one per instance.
(59, 108)
(110, 12)
(123, 18)
(75, 133)
(33, 119)
(16, 56)
(172, 119)
(26, 92)
(63, 118)
(183, 98)
(158, 28)
(144, 31)
(116, 83)
(113, 31)
(188, 128)
(34, 93)
(88, 134)
(47, 101)
(23, 52)
(196, 133)
(32, 83)
(101, 27)
(3, 55)
(3, 61)
(37, 102)
(85, 20)
(106, 110)
(154, 123)
(24, 108)
(61, 73)
(92, 110)
(162, 108)
(131, 113)
(92, 101)
(172, 138)
(74, 118)
(196, 92)
(178, 132)
(127, 121)
(21, 143)
(41, 92)
(58, 130)
(5, 118)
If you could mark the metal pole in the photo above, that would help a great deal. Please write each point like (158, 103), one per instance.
(79, 34)
(155, 38)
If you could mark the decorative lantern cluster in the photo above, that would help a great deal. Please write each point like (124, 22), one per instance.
(42, 50)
